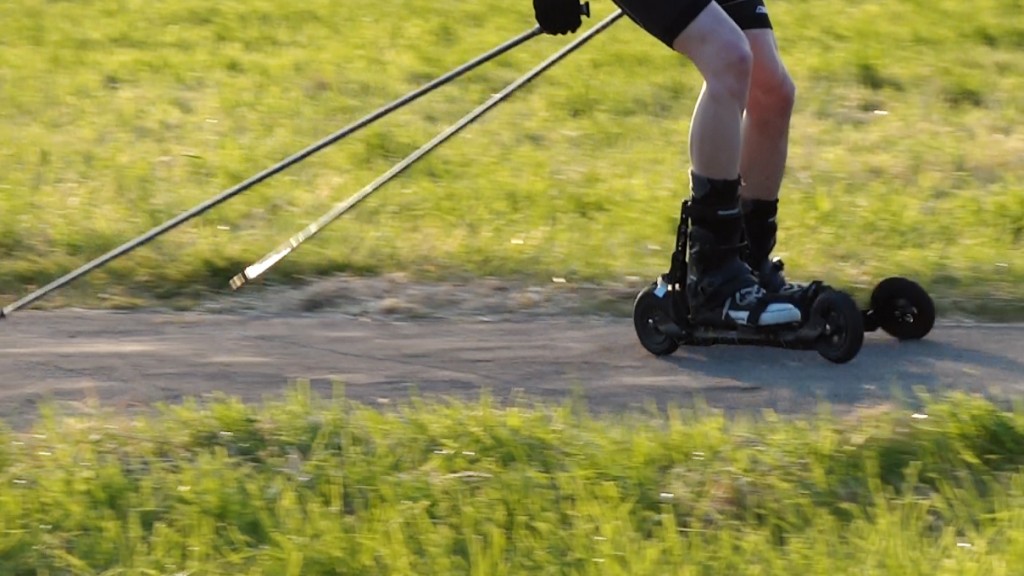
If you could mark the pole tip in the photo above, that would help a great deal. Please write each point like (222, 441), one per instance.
(238, 281)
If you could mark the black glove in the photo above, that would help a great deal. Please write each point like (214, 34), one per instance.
(558, 16)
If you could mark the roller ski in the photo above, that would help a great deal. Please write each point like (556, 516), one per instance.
(712, 295)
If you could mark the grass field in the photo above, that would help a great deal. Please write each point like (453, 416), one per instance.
(308, 486)
(116, 115)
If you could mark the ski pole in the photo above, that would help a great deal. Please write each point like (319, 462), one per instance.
(255, 270)
(269, 172)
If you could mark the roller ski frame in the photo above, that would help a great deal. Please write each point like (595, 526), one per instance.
(831, 322)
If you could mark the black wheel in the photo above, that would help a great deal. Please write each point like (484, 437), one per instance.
(648, 311)
(843, 333)
(902, 308)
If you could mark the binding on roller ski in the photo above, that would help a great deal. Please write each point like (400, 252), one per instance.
(670, 312)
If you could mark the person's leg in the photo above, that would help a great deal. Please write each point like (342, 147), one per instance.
(766, 123)
(765, 147)
(701, 31)
(720, 51)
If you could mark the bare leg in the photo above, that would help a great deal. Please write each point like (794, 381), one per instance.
(722, 54)
(765, 146)
(766, 122)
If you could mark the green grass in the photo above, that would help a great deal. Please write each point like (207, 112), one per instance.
(325, 486)
(116, 115)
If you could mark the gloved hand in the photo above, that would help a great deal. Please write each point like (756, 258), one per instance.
(558, 16)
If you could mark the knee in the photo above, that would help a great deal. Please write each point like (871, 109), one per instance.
(772, 94)
(730, 76)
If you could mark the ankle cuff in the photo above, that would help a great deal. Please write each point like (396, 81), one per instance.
(713, 190)
(762, 209)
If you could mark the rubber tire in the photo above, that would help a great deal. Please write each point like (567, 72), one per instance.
(844, 318)
(646, 308)
(894, 292)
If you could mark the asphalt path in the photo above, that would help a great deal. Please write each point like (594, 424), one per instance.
(127, 360)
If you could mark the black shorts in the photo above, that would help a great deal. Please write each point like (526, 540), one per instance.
(666, 19)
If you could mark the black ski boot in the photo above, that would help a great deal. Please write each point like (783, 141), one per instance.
(720, 287)
(760, 227)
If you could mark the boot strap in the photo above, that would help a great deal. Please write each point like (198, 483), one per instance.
(700, 214)
(762, 304)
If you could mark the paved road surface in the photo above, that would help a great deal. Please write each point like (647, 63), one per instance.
(132, 359)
